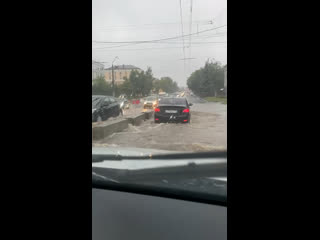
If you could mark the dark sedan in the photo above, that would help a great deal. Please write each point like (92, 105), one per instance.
(104, 107)
(172, 110)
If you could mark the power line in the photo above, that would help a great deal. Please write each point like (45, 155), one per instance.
(163, 39)
(190, 31)
(126, 27)
(184, 56)
(168, 41)
(178, 43)
(156, 40)
(149, 49)
(190, 28)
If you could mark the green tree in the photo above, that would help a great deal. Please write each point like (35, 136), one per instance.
(139, 83)
(126, 87)
(147, 79)
(168, 85)
(207, 81)
(156, 85)
(101, 87)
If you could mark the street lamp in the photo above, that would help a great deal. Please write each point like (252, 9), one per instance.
(113, 90)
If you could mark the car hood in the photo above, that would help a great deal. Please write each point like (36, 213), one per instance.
(129, 151)
(143, 164)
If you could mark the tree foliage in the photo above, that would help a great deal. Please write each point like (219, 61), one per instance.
(101, 87)
(165, 84)
(139, 84)
(207, 81)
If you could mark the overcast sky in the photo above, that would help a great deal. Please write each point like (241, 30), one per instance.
(143, 20)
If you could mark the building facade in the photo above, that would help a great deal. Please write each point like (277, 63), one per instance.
(120, 73)
(97, 69)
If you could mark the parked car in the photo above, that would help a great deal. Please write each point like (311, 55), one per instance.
(172, 110)
(104, 107)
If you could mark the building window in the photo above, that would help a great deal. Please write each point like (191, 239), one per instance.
(120, 73)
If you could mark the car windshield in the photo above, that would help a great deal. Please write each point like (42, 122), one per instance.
(168, 59)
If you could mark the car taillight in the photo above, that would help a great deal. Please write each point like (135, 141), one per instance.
(186, 110)
(157, 109)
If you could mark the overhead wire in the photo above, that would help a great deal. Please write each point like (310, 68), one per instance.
(183, 47)
(201, 37)
(190, 31)
(150, 48)
(162, 39)
(126, 27)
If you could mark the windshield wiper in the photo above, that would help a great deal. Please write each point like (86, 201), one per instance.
(187, 170)
(150, 181)
(146, 180)
(97, 177)
(171, 156)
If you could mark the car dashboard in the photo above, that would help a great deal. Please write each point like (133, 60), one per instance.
(122, 215)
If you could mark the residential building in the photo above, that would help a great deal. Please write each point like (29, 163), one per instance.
(120, 72)
(97, 69)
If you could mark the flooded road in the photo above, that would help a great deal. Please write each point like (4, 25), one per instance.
(206, 132)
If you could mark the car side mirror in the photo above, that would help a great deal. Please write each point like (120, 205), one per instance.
(190, 104)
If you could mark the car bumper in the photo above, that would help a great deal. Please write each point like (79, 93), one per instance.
(149, 106)
(172, 118)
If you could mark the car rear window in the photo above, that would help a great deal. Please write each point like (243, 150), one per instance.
(173, 101)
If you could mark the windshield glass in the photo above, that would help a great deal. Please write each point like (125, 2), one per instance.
(168, 59)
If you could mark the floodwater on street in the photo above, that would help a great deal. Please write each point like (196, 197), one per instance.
(206, 132)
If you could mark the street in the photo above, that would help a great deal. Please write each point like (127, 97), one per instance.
(206, 132)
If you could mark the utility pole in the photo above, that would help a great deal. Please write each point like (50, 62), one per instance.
(113, 89)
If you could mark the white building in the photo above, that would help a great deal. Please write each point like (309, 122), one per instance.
(97, 69)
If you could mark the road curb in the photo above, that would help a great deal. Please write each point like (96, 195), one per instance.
(137, 119)
(101, 131)
(148, 114)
